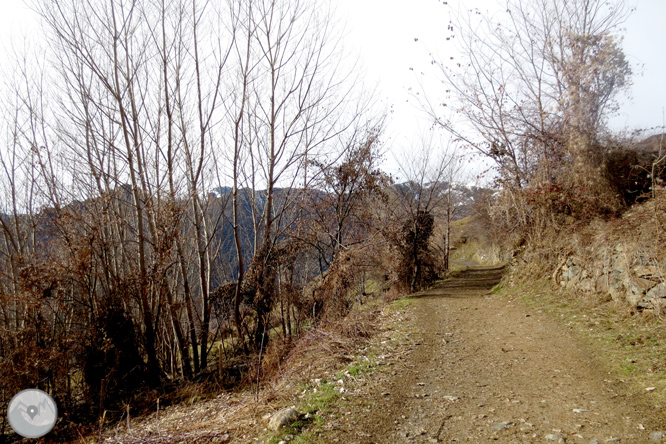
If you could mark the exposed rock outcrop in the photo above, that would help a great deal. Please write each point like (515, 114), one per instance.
(622, 272)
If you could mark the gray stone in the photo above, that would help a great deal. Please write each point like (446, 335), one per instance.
(554, 437)
(657, 436)
(570, 273)
(594, 441)
(283, 418)
(658, 291)
(502, 425)
(614, 440)
(654, 298)
(616, 289)
(637, 289)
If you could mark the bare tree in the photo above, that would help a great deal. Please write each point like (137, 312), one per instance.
(534, 84)
(337, 202)
(425, 196)
(114, 233)
(293, 104)
(142, 88)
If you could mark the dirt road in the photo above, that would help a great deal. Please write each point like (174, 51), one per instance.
(468, 365)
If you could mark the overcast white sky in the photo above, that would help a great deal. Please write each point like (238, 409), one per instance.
(383, 33)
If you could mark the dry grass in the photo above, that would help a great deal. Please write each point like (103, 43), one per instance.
(328, 347)
(241, 415)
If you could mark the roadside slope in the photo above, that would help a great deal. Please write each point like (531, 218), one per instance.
(477, 366)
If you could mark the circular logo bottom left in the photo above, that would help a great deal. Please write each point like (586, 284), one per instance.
(32, 413)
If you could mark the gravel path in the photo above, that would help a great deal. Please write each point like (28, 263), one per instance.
(468, 365)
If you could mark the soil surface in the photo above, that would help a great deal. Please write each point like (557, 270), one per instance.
(469, 365)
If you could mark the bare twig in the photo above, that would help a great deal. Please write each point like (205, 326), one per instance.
(157, 417)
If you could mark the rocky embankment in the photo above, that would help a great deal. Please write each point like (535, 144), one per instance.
(623, 259)
(634, 279)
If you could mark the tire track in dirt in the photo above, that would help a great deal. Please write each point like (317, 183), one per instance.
(480, 367)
